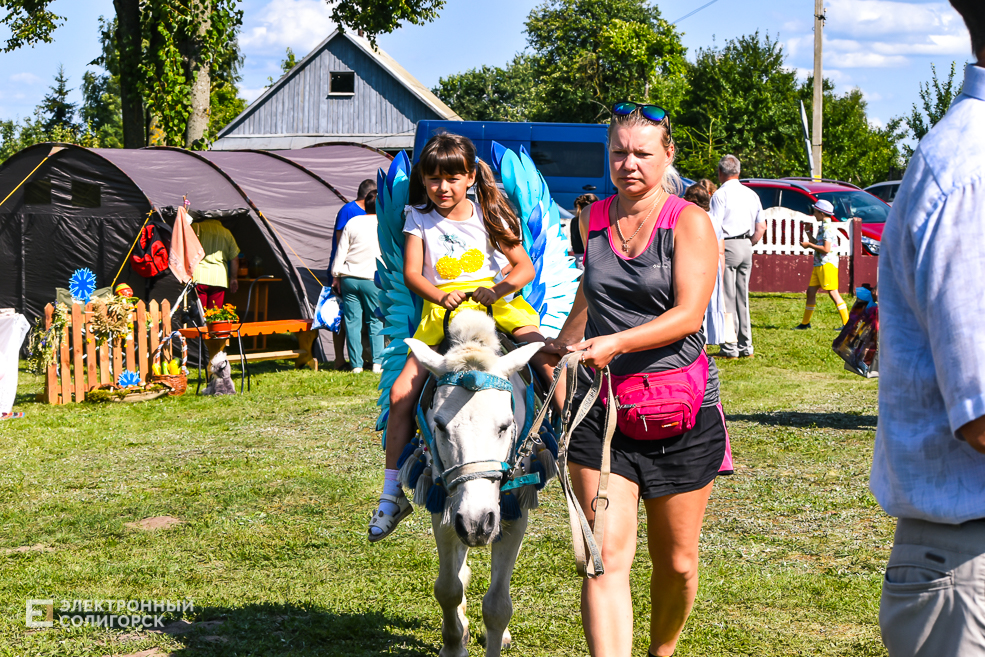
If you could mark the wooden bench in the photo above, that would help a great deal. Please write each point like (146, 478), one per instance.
(302, 356)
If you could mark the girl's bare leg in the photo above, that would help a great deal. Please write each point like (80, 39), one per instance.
(400, 427)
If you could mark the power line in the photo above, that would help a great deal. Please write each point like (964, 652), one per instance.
(694, 12)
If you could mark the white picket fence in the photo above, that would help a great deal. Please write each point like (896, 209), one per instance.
(784, 233)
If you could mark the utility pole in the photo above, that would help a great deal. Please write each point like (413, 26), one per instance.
(818, 85)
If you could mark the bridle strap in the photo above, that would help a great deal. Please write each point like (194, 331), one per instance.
(459, 474)
(586, 541)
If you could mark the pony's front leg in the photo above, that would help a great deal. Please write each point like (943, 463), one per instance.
(449, 589)
(497, 607)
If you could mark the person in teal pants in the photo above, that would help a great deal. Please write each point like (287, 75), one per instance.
(353, 271)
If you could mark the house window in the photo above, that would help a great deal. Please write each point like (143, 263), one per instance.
(342, 83)
(85, 195)
(38, 192)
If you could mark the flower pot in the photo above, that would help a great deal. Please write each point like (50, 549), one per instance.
(219, 329)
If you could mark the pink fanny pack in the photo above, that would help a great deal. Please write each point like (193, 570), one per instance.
(659, 404)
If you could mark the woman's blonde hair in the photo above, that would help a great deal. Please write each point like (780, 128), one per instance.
(671, 181)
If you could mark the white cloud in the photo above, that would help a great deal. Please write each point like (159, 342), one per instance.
(298, 24)
(25, 78)
(250, 94)
(866, 19)
(863, 59)
(871, 97)
(877, 123)
(884, 34)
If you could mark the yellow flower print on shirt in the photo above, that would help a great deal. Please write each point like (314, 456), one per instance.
(449, 267)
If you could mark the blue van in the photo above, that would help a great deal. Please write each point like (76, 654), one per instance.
(573, 157)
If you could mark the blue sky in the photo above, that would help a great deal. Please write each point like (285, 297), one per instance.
(883, 47)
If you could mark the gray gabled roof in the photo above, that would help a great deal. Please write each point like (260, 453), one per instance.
(388, 63)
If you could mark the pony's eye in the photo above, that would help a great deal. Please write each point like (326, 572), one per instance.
(503, 428)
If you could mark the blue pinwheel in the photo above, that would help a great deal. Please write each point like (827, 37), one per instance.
(82, 284)
(128, 378)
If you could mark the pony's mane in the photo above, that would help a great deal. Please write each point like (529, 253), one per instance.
(474, 345)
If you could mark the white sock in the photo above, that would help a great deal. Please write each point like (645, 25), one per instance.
(390, 487)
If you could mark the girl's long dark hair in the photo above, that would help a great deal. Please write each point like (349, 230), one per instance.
(452, 155)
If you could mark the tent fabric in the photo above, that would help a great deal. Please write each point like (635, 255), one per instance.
(291, 208)
(344, 166)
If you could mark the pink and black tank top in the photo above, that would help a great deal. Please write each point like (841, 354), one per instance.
(624, 292)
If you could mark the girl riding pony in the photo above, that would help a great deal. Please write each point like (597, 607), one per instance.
(453, 247)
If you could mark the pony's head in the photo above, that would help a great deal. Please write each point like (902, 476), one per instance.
(472, 420)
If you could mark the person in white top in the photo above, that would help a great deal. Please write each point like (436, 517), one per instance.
(353, 270)
(736, 209)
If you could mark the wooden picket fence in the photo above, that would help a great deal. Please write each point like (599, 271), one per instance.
(82, 364)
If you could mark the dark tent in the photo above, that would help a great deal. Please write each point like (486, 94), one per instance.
(83, 208)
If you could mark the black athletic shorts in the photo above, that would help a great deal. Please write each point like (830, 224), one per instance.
(660, 467)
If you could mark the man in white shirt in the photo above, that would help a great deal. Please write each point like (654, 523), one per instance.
(736, 208)
(928, 464)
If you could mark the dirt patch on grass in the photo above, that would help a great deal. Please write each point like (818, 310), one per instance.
(157, 522)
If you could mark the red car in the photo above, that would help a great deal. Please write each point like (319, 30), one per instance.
(800, 194)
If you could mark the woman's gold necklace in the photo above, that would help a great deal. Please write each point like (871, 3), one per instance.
(625, 242)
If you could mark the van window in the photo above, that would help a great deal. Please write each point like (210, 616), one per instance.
(571, 159)
(796, 201)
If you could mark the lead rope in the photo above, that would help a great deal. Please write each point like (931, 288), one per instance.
(584, 539)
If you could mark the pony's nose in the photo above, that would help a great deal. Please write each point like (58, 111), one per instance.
(460, 527)
(474, 533)
(489, 525)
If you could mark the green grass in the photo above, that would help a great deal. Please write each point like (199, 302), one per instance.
(275, 488)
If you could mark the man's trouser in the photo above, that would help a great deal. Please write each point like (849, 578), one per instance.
(738, 268)
(933, 595)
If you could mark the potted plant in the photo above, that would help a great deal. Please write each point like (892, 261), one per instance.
(220, 320)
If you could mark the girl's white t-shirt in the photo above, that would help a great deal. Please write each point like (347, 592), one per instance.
(454, 250)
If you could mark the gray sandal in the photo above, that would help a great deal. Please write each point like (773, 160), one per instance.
(385, 522)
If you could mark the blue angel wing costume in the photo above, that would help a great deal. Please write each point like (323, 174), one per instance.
(551, 292)
(401, 308)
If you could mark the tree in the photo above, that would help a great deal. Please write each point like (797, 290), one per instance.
(375, 17)
(101, 108)
(935, 100)
(854, 150)
(186, 41)
(585, 55)
(55, 109)
(590, 54)
(29, 22)
(491, 93)
(744, 98)
(286, 65)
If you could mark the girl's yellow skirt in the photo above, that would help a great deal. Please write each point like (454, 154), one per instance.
(509, 315)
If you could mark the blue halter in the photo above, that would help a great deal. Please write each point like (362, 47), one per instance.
(475, 381)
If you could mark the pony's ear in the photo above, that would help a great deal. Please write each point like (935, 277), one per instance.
(430, 358)
(512, 362)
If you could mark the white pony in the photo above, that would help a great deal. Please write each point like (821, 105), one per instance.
(475, 423)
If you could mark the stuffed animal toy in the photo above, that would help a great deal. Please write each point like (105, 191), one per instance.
(221, 382)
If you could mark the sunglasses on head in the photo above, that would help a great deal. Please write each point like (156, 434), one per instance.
(654, 113)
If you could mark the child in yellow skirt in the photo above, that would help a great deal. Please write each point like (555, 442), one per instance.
(453, 247)
(825, 273)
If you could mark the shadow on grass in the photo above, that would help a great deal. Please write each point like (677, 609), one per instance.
(843, 421)
(278, 629)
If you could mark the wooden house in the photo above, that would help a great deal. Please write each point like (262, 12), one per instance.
(342, 91)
